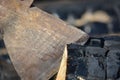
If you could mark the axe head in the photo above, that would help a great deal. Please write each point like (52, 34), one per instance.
(16, 5)
(35, 40)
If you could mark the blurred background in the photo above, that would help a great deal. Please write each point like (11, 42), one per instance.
(95, 17)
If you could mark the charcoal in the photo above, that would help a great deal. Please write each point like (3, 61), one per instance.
(94, 62)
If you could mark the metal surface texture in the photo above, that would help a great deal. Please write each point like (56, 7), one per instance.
(34, 39)
(16, 5)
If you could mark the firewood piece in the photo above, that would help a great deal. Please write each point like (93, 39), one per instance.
(63, 67)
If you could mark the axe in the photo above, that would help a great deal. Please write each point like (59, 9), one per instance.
(34, 39)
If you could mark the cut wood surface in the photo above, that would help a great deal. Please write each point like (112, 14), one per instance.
(35, 40)
(63, 67)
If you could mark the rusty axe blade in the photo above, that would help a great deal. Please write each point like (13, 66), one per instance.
(35, 41)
